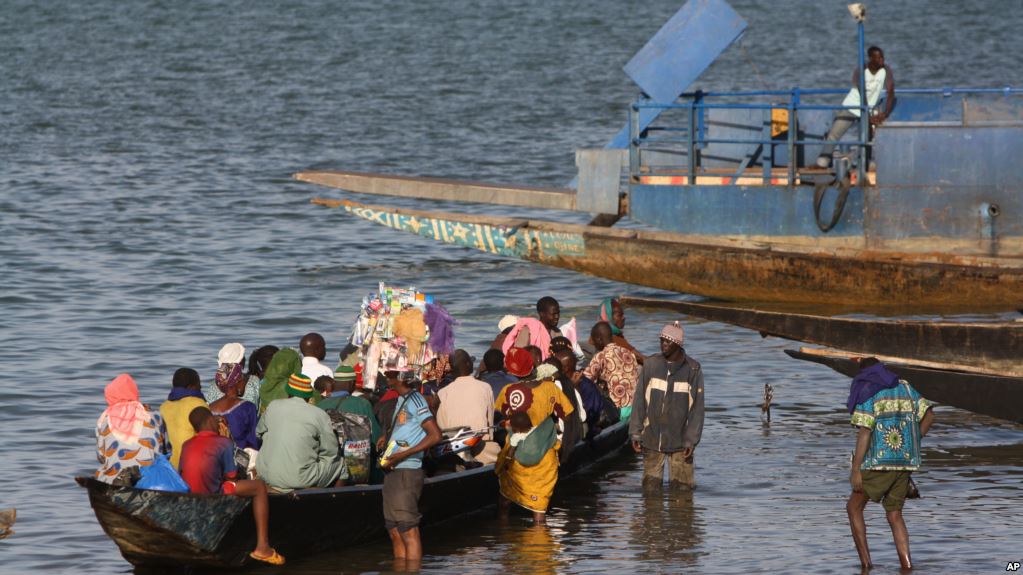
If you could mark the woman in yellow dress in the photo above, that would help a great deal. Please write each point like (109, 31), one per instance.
(530, 486)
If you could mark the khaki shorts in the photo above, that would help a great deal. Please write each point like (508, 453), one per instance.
(886, 487)
(402, 488)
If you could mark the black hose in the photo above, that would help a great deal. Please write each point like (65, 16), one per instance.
(818, 198)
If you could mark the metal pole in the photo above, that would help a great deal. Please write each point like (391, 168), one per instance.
(864, 110)
(793, 103)
(633, 144)
(692, 144)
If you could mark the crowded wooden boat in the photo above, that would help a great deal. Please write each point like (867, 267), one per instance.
(407, 430)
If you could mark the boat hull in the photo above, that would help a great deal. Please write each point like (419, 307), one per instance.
(994, 348)
(731, 269)
(160, 529)
(999, 397)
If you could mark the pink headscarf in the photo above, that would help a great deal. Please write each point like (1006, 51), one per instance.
(538, 336)
(125, 414)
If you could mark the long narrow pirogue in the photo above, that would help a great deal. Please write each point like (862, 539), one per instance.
(156, 528)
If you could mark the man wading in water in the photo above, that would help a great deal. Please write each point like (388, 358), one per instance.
(892, 418)
(667, 412)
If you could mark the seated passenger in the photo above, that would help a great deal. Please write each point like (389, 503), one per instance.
(536, 331)
(299, 446)
(493, 371)
(185, 395)
(468, 402)
(207, 466)
(561, 343)
(314, 349)
(240, 415)
(504, 327)
(128, 435)
(613, 368)
(275, 380)
(612, 312)
(572, 428)
(337, 394)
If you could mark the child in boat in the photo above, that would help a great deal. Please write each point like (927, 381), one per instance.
(207, 465)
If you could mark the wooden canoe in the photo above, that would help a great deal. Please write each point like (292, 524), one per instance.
(997, 396)
(992, 348)
(732, 269)
(156, 528)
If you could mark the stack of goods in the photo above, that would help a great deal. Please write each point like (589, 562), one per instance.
(400, 330)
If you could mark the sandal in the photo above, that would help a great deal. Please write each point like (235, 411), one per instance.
(274, 559)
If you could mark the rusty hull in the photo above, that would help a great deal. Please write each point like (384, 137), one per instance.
(738, 270)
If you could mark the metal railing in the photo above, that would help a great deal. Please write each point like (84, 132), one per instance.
(693, 136)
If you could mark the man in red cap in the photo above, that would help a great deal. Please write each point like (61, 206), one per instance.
(667, 413)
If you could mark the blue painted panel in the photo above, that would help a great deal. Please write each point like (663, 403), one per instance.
(941, 211)
(678, 53)
(741, 210)
(684, 47)
(949, 156)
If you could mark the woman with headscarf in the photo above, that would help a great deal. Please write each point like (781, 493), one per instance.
(231, 365)
(128, 435)
(612, 312)
(240, 416)
(528, 477)
(275, 381)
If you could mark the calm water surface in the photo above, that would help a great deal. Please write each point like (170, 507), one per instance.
(148, 217)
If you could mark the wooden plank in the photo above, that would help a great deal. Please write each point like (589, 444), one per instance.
(443, 189)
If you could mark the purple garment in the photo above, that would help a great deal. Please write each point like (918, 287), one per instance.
(442, 329)
(869, 381)
(242, 419)
(593, 401)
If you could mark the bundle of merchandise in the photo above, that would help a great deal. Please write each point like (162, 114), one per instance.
(400, 329)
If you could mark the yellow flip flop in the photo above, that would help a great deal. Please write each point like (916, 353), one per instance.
(274, 559)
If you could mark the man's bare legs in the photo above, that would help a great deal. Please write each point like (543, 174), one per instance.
(413, 545)
(406, 545)
(539, 518)
(854, 508)
(396, 543)
(901, 537)
(256, 489)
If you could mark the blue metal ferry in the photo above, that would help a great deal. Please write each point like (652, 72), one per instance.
(922, 214)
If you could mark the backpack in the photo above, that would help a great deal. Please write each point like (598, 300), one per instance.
(353, 437)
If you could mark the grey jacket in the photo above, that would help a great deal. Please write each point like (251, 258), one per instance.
(667, 410)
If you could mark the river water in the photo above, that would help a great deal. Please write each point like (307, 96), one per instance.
(148, 217)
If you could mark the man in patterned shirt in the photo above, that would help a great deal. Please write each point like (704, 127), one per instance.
(892, 418)
(613, 368)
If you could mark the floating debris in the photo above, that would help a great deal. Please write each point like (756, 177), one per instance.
(7, 517)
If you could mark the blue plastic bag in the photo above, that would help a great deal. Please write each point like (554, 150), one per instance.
(161, 476)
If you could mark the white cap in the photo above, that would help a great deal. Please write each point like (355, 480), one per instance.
(231, 353)
(507, 321)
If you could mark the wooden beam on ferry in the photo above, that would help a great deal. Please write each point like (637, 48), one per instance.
(442, 189)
